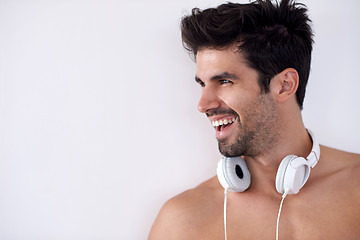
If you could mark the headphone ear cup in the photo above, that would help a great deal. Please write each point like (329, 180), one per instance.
(233, 174)
(280, 175)
(292, 174)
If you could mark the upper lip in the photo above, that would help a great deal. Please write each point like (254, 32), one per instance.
(221, 117)
(222, 120)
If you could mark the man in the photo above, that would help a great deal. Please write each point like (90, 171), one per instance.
(253, 63)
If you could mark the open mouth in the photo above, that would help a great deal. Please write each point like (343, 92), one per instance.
(220, 125)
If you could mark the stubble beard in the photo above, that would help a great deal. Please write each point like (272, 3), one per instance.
(239, 148)
(259, 136)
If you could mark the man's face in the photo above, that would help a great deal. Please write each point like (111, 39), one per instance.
(243, 117)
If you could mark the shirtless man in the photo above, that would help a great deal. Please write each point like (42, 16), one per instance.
(253, 62)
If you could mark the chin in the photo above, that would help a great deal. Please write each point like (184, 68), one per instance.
(233, 150)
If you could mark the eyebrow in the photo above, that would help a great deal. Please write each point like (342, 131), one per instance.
(224, 75)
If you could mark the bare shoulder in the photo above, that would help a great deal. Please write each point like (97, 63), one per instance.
(340, 159)
(183, 216)
(342, 167)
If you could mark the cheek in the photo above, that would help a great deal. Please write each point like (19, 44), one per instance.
(233, 104)
(238, 105)
(236, 100)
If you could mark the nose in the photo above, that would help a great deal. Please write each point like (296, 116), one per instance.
(208, 100)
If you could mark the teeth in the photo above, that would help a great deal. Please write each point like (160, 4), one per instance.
(223, 122)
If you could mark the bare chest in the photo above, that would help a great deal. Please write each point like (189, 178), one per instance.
(321, 218)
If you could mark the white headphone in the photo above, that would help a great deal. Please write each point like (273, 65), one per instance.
(292, 174)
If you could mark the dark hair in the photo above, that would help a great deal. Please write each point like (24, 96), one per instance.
(272, 37)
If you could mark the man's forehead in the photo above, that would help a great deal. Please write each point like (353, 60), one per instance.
(212, 62)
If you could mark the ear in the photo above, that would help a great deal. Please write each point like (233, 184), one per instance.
(285, 84)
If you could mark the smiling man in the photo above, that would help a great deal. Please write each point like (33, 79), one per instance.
(244, 119)
(253, 62)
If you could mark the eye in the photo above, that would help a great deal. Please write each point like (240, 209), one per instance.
(198, 81)
(224, 82)
(202, 84)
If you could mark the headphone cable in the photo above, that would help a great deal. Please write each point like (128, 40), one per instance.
(278, 217)
(225, 203)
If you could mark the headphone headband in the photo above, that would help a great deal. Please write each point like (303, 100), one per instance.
(314, 155)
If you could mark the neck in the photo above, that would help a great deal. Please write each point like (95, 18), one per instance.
(263, 168)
